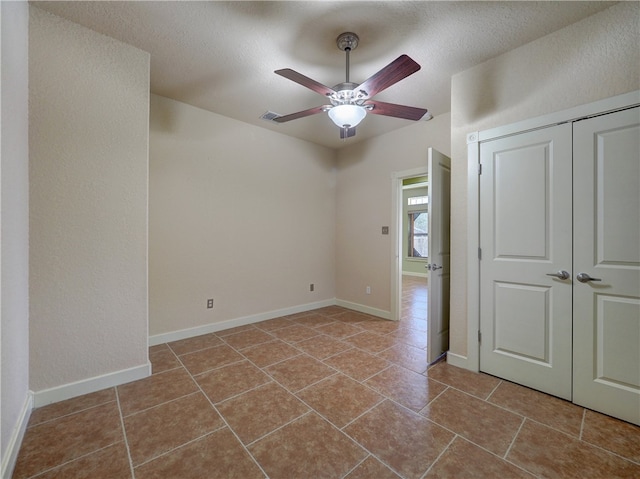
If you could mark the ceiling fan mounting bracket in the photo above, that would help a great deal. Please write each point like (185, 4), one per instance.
(347, 41)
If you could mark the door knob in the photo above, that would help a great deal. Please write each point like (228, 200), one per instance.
(435, 267)
(560, 274)
(585, 278)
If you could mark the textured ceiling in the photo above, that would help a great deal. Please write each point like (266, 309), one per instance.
(220, 56)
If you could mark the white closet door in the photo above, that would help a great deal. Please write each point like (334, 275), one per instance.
(525, 235)
(607, 247)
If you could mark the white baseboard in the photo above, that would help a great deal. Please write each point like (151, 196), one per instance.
(457, 360)
(15, 440)
(419, 275)
(364, 309)
(86, 386)
(233, 323)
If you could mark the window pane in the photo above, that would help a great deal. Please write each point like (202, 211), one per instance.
(418, 239)
(417, 200)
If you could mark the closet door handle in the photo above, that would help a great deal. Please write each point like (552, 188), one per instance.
(560, 274)
(585, 278)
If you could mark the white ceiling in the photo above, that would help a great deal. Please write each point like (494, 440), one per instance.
(220, 56)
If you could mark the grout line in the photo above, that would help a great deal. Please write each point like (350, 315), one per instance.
(155, 406)
(124, 434)
(71, 413)
(439, 456)
(356, 466)
(513, 440)
(224, 420)
(494, 390)
(584, 415)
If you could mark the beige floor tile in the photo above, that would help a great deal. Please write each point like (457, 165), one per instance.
(269, 353)
(196, 343)
(163, 359)
(330, 310)
(227, 381)
(380, 326)
(295, 333)
(314, 320)
(260, 411)
(108, 463)
(56, 442)
(549, 410)
(299, 372)
(371, 468)
(407, 356)
(411, 337)
(478, 421)
(272, 324)
(321, 347)
(465, 460)
(218, 455)
(210, 358)
(247, 338)
(476, 384)
(406, 387)
(549, 453)
(404, 440)
(357, 364)
(339, 330)
(70, 406)
(160, 429)
(612, 434)
(309, 447)
(351, 317)
(154, 390)
(371, 342)
(340, 399)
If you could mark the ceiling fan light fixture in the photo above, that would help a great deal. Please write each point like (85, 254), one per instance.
(347, 116)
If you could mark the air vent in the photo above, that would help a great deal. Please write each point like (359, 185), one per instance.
(269, 115)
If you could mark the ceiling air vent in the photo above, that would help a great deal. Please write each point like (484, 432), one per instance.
(269, 116)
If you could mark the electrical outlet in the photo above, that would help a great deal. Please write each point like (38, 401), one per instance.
(209, 303)
(311, 287)
(368, 289)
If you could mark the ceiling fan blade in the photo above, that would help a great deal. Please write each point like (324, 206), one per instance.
(301, 114)
(305, 81)
(400, 68)
(398, 111)
(347, 132)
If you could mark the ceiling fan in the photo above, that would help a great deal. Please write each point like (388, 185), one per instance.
(350, 102)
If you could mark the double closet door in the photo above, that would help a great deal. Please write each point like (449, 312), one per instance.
(560, 261)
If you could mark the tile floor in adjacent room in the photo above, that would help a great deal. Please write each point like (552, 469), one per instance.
(330, 393)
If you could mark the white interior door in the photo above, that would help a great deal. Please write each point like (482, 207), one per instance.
(525, 235)
(439, 174)
(607, 247)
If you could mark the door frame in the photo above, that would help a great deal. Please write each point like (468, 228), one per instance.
(608, 105)
(396, 234)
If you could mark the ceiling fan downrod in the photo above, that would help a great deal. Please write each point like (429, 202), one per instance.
(346, 42)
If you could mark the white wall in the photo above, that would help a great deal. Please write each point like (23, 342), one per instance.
(239, 214)
(590, 60)
(363, 256)
(14, 221)
(88, 140)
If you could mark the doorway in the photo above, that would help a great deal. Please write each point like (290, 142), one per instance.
(409, 247)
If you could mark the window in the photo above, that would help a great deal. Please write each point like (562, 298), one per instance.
(418, 237)
(417, 200)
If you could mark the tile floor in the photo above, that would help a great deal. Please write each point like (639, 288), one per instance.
(326, 394)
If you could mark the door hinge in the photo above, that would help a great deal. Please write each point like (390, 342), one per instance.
(479, 253)
(479, 336)
(479, 168)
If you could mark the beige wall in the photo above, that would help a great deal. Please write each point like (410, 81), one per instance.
(590, 60)
(239, 214)
(14, 221)
(363, 256)
(88, 140)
